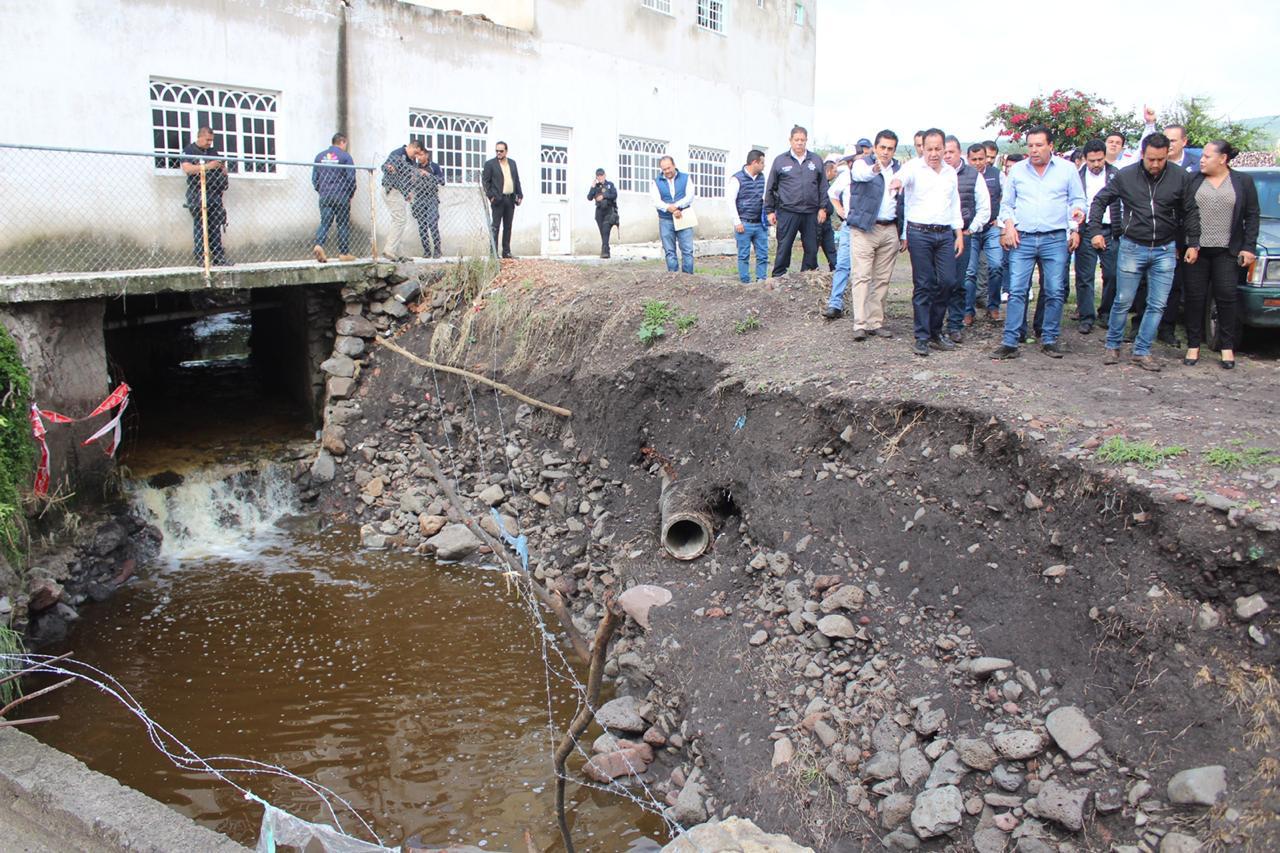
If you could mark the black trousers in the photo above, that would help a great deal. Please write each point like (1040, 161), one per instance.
(429, 232)
(791, 223)
(1214, 273)
(827, 239)
(606, 228)
(504, 211)
(217, 215)
(1173, 309)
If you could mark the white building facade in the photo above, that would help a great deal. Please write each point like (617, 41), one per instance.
(570, 85)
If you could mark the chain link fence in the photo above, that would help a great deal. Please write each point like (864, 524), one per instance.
(70, 210)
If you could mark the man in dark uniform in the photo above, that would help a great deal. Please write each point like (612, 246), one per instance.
(202, 156)
(424, 196)
(605, 195)
(795, 195)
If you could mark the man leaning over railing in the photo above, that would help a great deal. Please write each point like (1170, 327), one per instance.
(202, 158)
(397, 191)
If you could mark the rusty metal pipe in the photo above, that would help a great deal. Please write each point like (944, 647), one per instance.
(687, 521)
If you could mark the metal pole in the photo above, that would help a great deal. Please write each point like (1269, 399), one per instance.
(204, 220)
(373, 215)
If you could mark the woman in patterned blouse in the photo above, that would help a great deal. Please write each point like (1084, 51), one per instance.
(1229, 218)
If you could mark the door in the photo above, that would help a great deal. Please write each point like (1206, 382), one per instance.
(557, 226)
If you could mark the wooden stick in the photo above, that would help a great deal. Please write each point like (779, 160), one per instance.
(16, 702)
(608, 626)
(457, 371)
(28, 721)
(204, 218)
(551, 599)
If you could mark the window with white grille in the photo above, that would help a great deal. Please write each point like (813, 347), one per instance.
(711, 15)
(707, 166)
(555, 171)
(663, 6)
(458, 143)
(243, 123)
(638, 162)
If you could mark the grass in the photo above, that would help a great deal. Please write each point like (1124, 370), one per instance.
(17, 451)
(1121, 451)
(657, 314)
(1245, 457)
(749, 323)
(10, 644)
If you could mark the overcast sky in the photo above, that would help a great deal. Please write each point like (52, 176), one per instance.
(910, 65)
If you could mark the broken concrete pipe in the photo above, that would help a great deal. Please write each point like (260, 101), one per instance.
(687, 522)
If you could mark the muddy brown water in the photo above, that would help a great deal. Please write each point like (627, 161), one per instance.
(416, 691)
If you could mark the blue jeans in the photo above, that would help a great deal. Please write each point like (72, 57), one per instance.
(335, 209)
(840, 280)
(670, 237)
(1087, 262)
(962, 300)
(987, 243)
(933, 274)
(1135, 261)
(753, 235)
(1050, 249)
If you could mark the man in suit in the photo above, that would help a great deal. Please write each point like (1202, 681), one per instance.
(501, 182)
(1095, 174)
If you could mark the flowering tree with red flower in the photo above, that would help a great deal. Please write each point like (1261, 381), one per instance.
(1074, 116)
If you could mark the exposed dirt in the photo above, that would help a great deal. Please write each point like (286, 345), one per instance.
(958, 495)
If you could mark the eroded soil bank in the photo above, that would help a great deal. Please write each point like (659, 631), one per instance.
(930, 617)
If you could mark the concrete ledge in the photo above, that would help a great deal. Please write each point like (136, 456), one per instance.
(52, 803)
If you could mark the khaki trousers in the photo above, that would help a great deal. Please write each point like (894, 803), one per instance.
(397, 208)
(872, 255)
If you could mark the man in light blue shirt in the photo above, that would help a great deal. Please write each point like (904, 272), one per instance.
(1042, 205)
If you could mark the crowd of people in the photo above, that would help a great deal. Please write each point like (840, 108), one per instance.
(1168, 229)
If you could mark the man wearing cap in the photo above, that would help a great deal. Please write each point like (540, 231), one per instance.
(605, 195)
(864, 147)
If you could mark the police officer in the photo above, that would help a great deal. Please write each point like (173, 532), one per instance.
(605, 195)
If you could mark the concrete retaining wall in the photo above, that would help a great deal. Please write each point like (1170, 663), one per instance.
(52, 803)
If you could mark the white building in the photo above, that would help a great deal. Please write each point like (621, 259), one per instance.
(571, 85)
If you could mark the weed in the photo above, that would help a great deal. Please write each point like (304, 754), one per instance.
(10, 647)
(657, 314)
(749, 323)
(685, 322)
(1120, 451)
(1234, 460)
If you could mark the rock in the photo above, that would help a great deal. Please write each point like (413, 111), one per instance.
(454, 542)
(640, 599)
(886, 736)
(622, 714)
(1018, 745)
(324, 469)
(1207, 617)
(355, 326)
(895, 809)
(430, 525)
(900, 839)
(541, 498)
(348, 346)
(759, 638)
(1061, 805)
(493, 495)
(937, 811)
(1247, 608)
(989, 841)
(882, 765)
(690, 808)
(929, 722)
(340, 388)
(43, 593)
(976, 753)
(1031, 501)
(1200, 786)
(332, 440)
(1071, 731)
(1006, 779)
(949, 770)
(614, 765)
(395, 308)
(732, 834)
(913, 767)
(836, 627)
(956, 451)
(1108, 801)
(1177, 842)
(845, 597)
(978, 667)
(783, 751)
(373, 540)
(339, 365)
(825, 733)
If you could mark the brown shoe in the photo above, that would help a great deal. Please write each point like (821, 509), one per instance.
(968, 319)
(346, 257)
(318, 251)
(1146, 362)
(1111, 356)
(994, 315)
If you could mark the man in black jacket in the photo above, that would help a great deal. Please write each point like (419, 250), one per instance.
(605, 195)
(1158, 203)
(202, 157)
(794, 195)
(501, 182)
(398, 172)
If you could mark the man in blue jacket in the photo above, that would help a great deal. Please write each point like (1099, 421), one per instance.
(795, 194)
(335, 180)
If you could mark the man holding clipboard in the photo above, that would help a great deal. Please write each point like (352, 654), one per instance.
(672, 194)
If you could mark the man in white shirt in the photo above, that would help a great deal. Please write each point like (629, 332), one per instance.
(672, 195)
(935, 238)
(1096, 174)
(975, 210)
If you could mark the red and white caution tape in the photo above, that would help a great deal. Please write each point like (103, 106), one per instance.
(117, 399)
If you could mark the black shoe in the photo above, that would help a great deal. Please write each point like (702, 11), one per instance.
(859, 334)
(957, 337)
(941, 343)
(508, 256)
(881, 332)
(436, 254)
(830, 313)
(920, 348)
(1227, 365)
(1003, 352)
(1167, 336)
(604, 254)
(1086, 328)
(1052, 350)
(223, 262)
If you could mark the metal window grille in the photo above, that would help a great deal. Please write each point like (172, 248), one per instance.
(638, 162)
(711, 15)
(663, 6)
(243, 123)
(458, 143)
(555, 171)
(707, 166)
(799, 15)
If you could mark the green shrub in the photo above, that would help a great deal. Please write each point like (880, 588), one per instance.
(17, 451)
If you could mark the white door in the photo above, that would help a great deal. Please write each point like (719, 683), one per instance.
(557, 226)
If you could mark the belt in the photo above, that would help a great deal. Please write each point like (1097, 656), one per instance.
(1042, 233)
(935, 228)
(886, 222)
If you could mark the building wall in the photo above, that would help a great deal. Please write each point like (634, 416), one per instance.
(599, 67)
